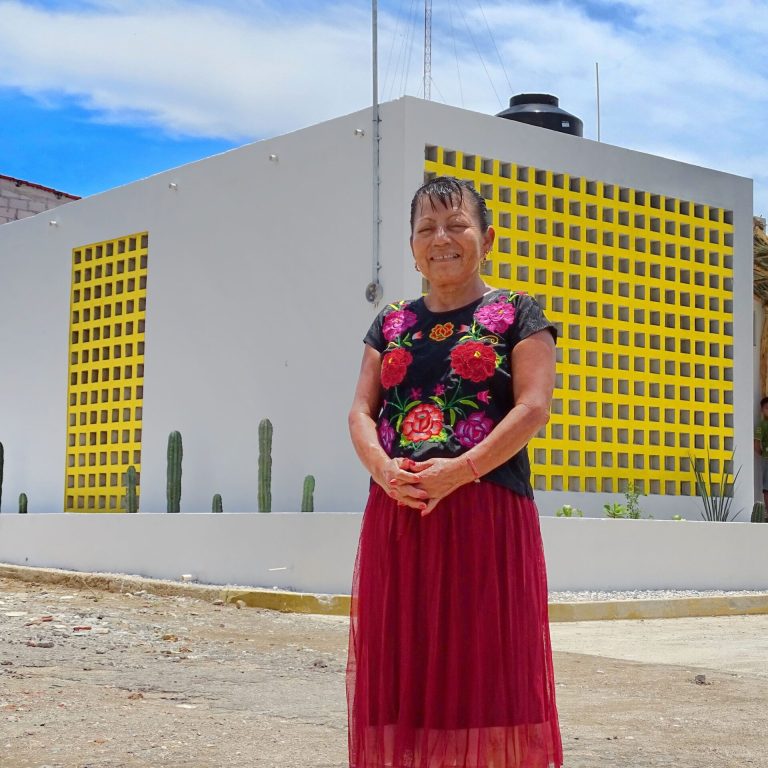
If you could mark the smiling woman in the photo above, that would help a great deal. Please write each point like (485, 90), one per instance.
(449, 654)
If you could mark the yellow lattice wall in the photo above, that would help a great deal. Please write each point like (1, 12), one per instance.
(641, 287)
(106, 372)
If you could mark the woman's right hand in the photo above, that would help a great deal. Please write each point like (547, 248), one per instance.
(400, 484)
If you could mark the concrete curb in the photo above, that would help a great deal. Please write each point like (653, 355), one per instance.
(273, 599)
(339, 605)
(671, 608)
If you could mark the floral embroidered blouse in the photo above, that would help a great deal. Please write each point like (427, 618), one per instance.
(446, 376)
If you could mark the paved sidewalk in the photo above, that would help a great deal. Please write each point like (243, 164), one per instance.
(733, 644)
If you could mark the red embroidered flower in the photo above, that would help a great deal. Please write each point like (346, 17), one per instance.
(473, 360)
(422, 422)
(441, 331)
(394, 365)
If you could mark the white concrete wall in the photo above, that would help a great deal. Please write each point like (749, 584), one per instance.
(255, 308)
(316, 553)
(255, 303)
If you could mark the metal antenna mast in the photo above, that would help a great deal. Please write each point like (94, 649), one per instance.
(374, 291)
(428, 49)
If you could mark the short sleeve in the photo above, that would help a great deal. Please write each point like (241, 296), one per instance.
(375, 337)
(529, 318)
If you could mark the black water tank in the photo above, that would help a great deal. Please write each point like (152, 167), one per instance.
(542, 109)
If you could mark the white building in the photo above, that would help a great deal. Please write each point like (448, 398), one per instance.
(208, 297)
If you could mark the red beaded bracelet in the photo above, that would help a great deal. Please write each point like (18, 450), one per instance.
(474, 469)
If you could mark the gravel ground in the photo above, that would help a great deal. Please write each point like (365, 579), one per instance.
(92, 679)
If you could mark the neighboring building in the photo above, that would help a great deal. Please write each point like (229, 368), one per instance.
(244, 276)
(19, 199)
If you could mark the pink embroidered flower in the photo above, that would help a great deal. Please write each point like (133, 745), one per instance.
(484, 396)
(415, 393)
(386, 435)
(397, 323)
(473, 430)
(440, 389)
(498, 316)
(422, 423)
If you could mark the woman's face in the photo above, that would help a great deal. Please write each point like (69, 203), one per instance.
(447, 242)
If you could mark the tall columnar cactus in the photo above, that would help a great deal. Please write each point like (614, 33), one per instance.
(22, 503)
(307, 498)
(758, 512)
(265, 465)
(2, 462)
(173, 487)
(216, 505)
(131, 499)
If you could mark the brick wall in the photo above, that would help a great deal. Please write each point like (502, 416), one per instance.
(19, 199)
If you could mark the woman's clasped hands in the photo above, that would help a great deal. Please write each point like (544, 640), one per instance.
(422, 484)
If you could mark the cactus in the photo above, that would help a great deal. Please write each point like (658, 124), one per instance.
(22, 503)
(265, 465)
(758, 512)
(307, 499)
(2, 462)
(216, 505)
(131, 499)
(173, 487)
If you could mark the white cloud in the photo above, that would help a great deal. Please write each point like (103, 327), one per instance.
(188, 68)
(688, 80)
(685, 79)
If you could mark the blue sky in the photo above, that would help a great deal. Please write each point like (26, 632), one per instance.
(98, 93)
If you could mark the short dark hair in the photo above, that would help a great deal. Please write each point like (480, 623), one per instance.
(448, 189)
(763, 401)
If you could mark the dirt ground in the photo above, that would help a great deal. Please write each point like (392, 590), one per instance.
(174, 681)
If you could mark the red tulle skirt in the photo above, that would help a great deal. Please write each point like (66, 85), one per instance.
(449, 660)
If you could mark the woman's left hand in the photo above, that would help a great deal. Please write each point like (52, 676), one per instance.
(439, 477)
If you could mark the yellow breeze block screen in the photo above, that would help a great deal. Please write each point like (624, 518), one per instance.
(640, 285)
(106, 372)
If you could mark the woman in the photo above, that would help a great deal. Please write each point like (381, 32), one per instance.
(449, 654)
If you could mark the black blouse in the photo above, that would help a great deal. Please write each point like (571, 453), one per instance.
(447, 379)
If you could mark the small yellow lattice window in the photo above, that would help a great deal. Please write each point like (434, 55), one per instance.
(106, 372)
(640, 285)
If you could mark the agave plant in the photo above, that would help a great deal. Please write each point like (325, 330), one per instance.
(716, 497)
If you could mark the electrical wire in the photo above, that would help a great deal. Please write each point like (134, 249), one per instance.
(495, 47)
(401, 52)
(439, 92)
(455, 51)
(479, 54)
(392, 47)
(412, 24)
